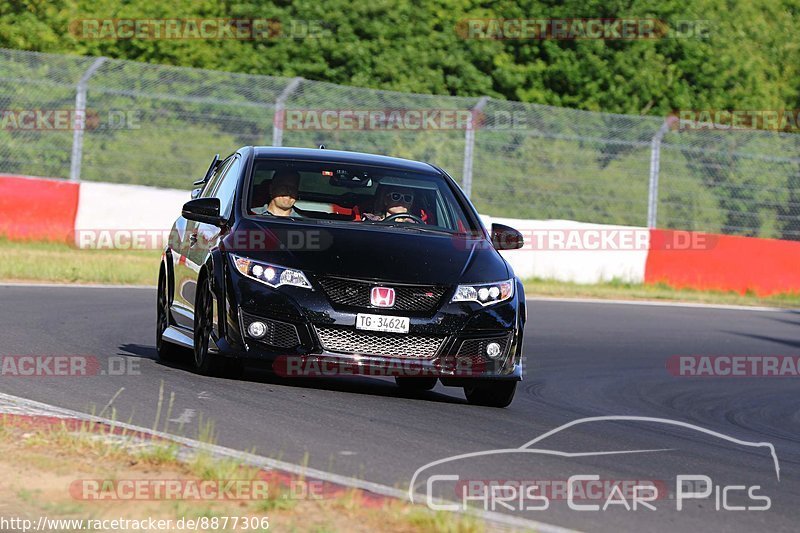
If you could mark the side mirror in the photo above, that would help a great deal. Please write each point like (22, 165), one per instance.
(506, 238)
(196, 193)
(205, 210)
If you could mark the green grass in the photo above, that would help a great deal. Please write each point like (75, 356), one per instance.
(444, 522)
(82, 450)
(637, 291)
(58, 262)
(159, 454)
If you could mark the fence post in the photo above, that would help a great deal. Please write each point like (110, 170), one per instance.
(655, 167)
(469, 146)
(280, 106)
(79, 124)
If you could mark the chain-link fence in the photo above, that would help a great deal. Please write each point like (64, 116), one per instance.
(159, 125)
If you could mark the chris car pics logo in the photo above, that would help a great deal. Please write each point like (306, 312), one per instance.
(525, 495)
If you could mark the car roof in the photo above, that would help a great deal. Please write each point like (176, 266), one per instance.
(341, 156)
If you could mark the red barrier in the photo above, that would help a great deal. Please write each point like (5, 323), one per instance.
(37, 208)
(725, 262)
(46, 209)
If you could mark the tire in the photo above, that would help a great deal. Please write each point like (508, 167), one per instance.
(203, 361)
(491, 393)
(165, 351)
(415, 384)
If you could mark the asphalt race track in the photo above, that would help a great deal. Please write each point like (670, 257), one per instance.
(582, 360)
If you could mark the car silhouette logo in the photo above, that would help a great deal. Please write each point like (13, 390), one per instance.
(532, 447)
(382, 296)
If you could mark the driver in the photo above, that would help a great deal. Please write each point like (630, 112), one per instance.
(283, 195)
(395, 201)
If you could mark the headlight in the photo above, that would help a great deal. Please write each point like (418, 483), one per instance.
(272, 275)
(485, 293)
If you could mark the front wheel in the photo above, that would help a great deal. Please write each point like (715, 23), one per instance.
(491, 393)
(204, 362)
(207, 363)
(166, 351)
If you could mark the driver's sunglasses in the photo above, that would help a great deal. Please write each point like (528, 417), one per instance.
(398, 196)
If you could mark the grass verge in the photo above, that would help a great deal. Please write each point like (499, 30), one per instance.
(59, 262)
(56, 262)
(46, 472)
(618, 290)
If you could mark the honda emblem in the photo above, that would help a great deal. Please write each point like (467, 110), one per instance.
(382, 296)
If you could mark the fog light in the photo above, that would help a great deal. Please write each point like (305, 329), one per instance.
(493, 349)
(257, 329)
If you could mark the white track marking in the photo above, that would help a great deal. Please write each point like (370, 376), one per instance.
(657, 303)
(74, 285)
(185, 417)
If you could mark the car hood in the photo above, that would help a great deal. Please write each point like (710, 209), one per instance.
(369, 252)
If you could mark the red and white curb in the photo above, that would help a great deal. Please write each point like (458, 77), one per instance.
(14, 409)
(600, 253)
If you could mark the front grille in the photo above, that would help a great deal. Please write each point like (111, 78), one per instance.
(356, 293)
(382, 344)
(279, 334)
(476, 348)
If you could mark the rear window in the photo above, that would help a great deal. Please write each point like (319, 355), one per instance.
(355, 194)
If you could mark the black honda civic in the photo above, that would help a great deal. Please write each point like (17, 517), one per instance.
(321, 262)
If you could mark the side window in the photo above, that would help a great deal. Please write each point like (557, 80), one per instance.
(214, 179)
(227, 187)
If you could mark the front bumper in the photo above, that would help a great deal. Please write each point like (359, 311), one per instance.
(307, 336)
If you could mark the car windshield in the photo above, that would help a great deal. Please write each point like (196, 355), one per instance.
(357, 194)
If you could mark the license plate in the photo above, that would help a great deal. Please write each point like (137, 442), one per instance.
(388, 324)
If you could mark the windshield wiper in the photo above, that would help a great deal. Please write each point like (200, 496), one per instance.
(267, 214)
(415, 227)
